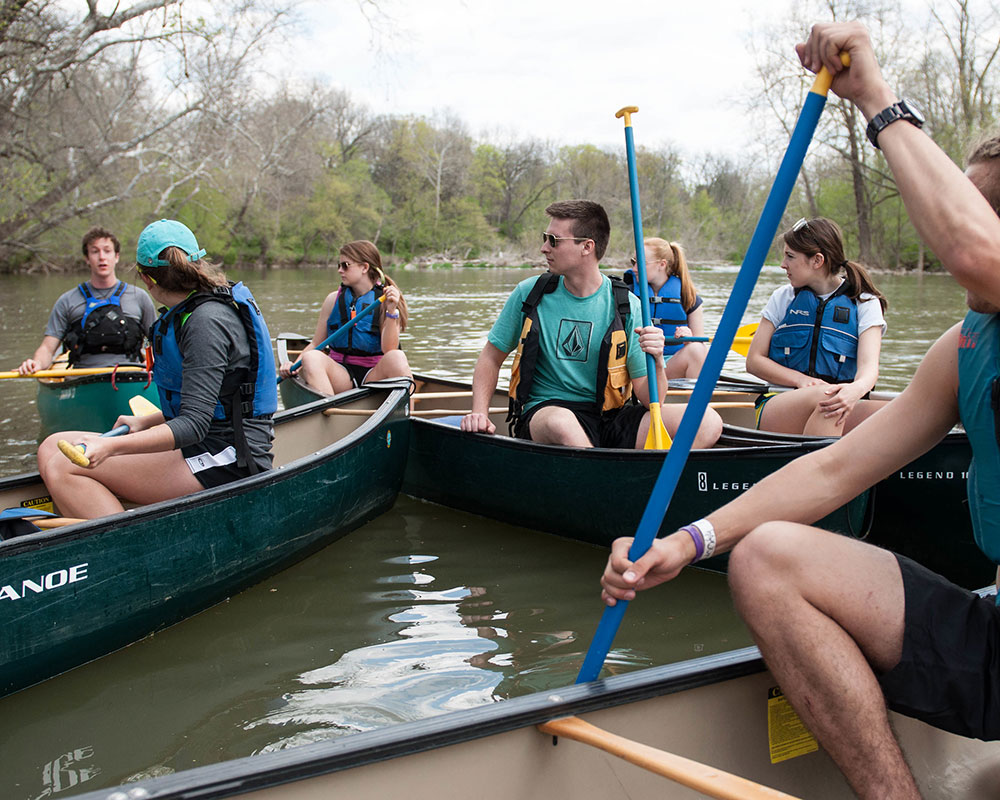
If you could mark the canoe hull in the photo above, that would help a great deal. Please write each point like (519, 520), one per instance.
(713, 710)
(89, 403)
(70, 595)
(590, 495)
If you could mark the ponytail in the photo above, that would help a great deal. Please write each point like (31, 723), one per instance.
(673, 254)
(860, 282)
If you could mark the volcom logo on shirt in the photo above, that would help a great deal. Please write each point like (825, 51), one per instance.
(574, 339)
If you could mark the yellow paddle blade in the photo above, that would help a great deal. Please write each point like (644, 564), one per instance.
(744, 334)
(73, 452)
(657, 437)
(141, 407)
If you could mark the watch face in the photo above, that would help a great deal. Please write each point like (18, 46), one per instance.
(914, 109)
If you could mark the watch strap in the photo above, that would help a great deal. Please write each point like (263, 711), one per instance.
(886, 117)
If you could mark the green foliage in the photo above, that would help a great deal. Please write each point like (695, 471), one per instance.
(289, 176)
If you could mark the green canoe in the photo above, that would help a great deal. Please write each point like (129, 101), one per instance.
(591, 495)
(70, 594)
(90, 402)
(605, 491)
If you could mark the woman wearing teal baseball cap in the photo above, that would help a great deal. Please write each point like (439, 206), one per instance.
(214, 368)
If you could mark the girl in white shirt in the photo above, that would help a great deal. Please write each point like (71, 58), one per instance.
(820, 335)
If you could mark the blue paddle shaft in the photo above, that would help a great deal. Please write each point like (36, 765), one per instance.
(666, 483)
(640, 258)
(347, 326)
(121, 430)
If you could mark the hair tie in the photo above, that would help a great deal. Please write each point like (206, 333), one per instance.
(844, 263)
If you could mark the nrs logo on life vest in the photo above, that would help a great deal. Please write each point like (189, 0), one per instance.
(44, 583)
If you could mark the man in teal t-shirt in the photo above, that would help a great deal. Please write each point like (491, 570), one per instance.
(573, 320)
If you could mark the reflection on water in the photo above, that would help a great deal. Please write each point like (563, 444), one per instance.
(421, 612)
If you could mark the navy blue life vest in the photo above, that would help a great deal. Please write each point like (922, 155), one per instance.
(979, 409)
(819, 337)
(104, 328)
(665, 307)
(250, 392)
(363, 339)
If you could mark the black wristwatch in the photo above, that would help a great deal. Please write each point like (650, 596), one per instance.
(904, 109)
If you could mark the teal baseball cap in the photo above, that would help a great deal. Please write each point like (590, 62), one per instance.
(158, 236)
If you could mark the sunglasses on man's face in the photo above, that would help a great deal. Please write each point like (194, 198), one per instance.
(553, 240)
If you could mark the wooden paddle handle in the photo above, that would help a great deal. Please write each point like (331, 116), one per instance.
(70, 373)
(700, 777)
(425, 412)
(56, 522)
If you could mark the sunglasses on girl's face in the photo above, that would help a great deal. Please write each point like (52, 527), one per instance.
(553, 240)
(344, 265)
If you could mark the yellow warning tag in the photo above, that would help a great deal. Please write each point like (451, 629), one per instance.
(39, 504)
(786, 735)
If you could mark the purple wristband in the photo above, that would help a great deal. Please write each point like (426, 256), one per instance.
(699, 541)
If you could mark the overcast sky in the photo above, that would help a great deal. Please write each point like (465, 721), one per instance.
(555, 69)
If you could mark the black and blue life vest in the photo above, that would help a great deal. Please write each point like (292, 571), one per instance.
(613, 386)
(666, 310)
(817, 337)
(249, 392)
(979, 409)
(363, 339)
(104, 328)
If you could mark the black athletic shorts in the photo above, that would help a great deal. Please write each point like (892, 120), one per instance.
(616, 428)
(213, 462)
(949, 673)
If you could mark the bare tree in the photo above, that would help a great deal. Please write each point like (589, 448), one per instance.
(84, 126)
(512, 177)
(841, 131)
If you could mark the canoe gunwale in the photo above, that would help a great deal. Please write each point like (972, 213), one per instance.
(33, 541)
(267, 770)
(614, 454)
(131, 376)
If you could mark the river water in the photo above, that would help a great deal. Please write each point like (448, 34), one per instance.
(423, 611)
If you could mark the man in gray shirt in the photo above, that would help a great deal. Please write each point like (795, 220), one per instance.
(101, 322)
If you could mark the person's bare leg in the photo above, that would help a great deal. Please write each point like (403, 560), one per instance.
(708, 433)
(556, 425)
(323, 374)
(392, 365)
(88, 492)
(821, 425)
(825, 610)
(686, 362)
(790, 412)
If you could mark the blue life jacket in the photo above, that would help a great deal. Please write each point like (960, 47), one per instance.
(819, 337)
(665, 307)
(363, 339)
(104, 328)
(250, 392)
(979, 409)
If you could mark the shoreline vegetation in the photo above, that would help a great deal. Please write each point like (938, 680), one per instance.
(419, 264)
(85, 142)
